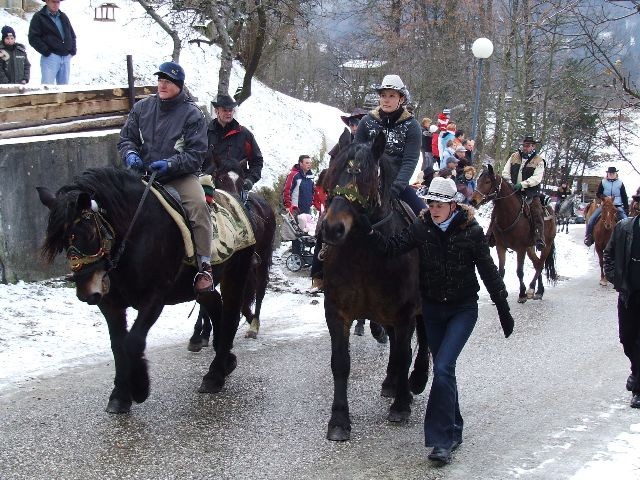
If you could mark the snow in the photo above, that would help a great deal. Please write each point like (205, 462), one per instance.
(44, 329)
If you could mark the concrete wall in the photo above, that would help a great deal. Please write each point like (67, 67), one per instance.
(48, 162)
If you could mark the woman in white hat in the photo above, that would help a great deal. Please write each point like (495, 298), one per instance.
(404, 136)
(452, 245)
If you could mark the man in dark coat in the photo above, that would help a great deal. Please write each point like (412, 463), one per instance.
(351, 121)
(51, 34)
(228, 140)
(622, 268)
(14, 65)
(166, 133)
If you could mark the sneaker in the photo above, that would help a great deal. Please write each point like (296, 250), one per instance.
(203, 282)
(588, 240)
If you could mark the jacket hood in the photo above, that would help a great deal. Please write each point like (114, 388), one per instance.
(375, 113)
(466, 216)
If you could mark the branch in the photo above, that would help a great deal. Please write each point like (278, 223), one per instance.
(177, 44)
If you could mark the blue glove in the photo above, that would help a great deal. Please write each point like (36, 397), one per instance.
(160, 166)
(517, 186)
(133, 161)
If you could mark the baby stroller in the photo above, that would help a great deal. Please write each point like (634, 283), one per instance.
(291, 230)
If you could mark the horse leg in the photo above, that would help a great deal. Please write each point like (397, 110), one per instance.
(522, 295)
(378, 332)
(538, 264)
(420, 374)
(339, 428)
(400, 408)
(603, 278)
(116, 317)
(501, 259)
(262, 273)
(196, 342)
(390, 382)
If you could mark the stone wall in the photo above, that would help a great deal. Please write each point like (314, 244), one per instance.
(42, 161)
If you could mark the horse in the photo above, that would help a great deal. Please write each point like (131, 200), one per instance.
(602, 231)
(589, 209)
(229, 176)
(565, 211)
(358, 283)
(117, 263)
(634, 208)
(513, 230)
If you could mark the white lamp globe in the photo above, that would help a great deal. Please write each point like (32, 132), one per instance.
(482, 48)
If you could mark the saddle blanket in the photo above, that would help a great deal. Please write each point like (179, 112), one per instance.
(232, 229)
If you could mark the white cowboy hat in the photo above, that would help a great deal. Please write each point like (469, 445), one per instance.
(443, 190)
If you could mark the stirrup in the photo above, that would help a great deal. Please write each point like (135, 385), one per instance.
(202, 277)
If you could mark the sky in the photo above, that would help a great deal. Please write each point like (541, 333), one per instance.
(44, 329)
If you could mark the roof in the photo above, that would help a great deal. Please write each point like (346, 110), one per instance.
(363, 64)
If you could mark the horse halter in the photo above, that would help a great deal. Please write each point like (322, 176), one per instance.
(496, 190)
(350, 190)
(77, 259)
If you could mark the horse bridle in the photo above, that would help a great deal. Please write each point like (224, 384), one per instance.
(494, 196)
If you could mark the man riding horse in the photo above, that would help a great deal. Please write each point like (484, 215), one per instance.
(610, 186)
(525, 169)
(563, 193)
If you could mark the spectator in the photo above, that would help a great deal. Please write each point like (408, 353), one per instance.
(166, 133)
(445, 172)
(351, 121)
(427, 138)
(562, 193)
(448, 153)
(469, 145)
(403, 137)
(448, 134)
(297, 194)
(435, 141)
(461, 155)
(228, 140)
(458, 138)
(468, 182)
(14, 65)
(622, 268)
(319, 200)
(51, 35)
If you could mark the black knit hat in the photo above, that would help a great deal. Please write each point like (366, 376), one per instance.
(6, 30)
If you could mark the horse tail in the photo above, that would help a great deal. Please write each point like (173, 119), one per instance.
(420, 374)
(550, 265)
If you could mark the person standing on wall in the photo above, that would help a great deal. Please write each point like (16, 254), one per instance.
(14, 65)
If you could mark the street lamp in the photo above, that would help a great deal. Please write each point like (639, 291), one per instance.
(482, 48)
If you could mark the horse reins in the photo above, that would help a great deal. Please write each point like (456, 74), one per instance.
(495, 193)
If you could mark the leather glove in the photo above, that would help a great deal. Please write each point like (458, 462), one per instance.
(160, 166)
(133, 161)
(247, 184)
(506, 320)
(397, 188)
(517, 186)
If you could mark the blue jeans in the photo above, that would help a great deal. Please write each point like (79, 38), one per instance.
(410, 197)
(448, 329)
(55, 69)
(596, 215)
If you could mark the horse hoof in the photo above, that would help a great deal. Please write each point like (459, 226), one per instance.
(529, 294)
(603, 283)
(537, 296)
(387, 392)
(338, 434)
(522, 299)
(252, 332)
(194, 347)
(210, 386)
(398, 417)
(116, 405)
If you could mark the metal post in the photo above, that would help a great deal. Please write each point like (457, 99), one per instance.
(130, 82)
(476, 108)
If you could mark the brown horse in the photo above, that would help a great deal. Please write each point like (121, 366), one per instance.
(589, 209)
(358, 283)
(513, 230)
(602, 231)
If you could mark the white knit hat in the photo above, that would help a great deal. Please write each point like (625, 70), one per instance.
(443, 190)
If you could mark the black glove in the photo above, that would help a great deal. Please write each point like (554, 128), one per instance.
(506, 320)
(499, 297)
(364, 224)
(247, 184)
(397, 188)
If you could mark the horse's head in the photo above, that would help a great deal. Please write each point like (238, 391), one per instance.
(487, 187)
(356, 186)
(609, 213)
(228, 174)
(86, 237)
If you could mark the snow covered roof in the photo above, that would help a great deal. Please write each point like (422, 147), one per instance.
(363, 64)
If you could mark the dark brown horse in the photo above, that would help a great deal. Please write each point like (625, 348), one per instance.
(229, 176)
(358, 283)
(602, 231)
(118, 263)
(513, 230)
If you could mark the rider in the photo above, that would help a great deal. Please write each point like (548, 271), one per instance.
(403, 133)
(166, 133)
(525, 169)
(230, 140)
(562, 192)
(610, 186)
(351, 121)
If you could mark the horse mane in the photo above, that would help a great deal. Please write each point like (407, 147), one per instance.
(374, 182)
(107, 186)
(229, 165)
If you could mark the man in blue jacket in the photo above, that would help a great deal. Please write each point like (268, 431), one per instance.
(51, 35)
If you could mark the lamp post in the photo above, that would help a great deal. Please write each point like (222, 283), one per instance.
(482, 48)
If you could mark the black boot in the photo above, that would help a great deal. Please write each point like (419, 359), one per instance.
(537, 212)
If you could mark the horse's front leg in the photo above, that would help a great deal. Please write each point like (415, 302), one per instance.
(400, 409)
(339, 428)
(116, 317)
(538, 265)
(522, 295)
(197, 340)
(502, 254)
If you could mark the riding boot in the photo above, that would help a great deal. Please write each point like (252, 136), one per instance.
(203, 282)
(537, 213)
(588, 236)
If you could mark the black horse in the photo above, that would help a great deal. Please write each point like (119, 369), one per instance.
(229, 176)
(359, 283)
(89, 219)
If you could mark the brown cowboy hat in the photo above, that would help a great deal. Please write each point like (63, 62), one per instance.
(612, 170)
(528, 138)
(357, 113)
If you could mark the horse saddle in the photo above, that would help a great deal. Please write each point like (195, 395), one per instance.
(232, 230)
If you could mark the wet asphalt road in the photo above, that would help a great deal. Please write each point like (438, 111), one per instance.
(537, 405)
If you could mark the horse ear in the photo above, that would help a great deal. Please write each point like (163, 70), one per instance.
(379, 144)
(47, 198)
(83, 203)
(490, 169)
